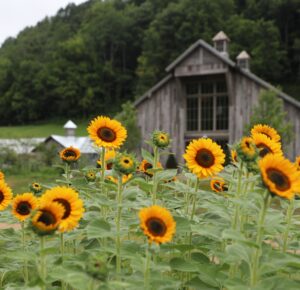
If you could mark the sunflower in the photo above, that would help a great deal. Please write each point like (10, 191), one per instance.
(47, 218)
(147, 168)
(265, 145)
(36, 187)
(218, 185)
(124, 163)
(69, 154)
(280, 176)
(2, 176)
(71, 203)
(267, 131)
(157, 223)
(160, 139)
(109, 158)
(23, 205)
(106, 132)
(204, 157)
(297, 162)
(90, 176)
(125, 178)
(234, 156)
(247, 148)
(5, 195)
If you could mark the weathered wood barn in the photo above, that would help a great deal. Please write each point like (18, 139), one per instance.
(206, 94)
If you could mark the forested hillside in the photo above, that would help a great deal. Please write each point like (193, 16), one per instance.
(91, 58)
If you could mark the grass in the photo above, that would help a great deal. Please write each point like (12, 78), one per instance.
(20, 182)
(41, 129)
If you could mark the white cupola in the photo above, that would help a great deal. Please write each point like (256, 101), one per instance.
(221, 43)
(70, 128)
(243, 60)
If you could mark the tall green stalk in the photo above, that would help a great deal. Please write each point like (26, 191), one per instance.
(25, 270)
(43, 262)
(118, 224)
(259, 239)
(103, 165)
(156, 160)
(147, 267)
(288, 220)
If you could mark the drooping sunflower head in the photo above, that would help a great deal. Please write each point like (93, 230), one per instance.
(218, 185)
(90, 176)
(70, 202)
(204, 157)
(266, 146)
(160, 139)
(280, 176)
(125, 163)
(297, 162)
(23, 205)
(69, 154)
(36, 187)
(109, 159)
(267, 131)
(234, 156)
(125, 178)
(47, 218)
(147, 168)
(246, 149)
(157, 223)
(5, 195)
(106, 132)
(2, 176)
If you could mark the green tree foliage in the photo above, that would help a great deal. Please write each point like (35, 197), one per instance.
(129, 119)
(270, 111)
(89, 59)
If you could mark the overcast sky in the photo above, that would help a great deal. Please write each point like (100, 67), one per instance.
(15, 15)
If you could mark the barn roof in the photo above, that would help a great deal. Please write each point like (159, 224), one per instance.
(84, 144)
(21, 145)
(227, 60)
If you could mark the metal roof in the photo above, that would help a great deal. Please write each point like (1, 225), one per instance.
(21, 145)
(220, 36)
(70, 125)
(243, 55)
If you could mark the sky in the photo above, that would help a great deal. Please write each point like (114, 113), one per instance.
(15, 15)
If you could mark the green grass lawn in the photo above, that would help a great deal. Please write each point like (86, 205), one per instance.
(41, 130)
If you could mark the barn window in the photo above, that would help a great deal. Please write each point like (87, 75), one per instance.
(207, 106)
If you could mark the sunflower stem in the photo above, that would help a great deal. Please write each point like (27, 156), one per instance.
(24, 250)
(259, 239)
(288, 220)
(103, 165)
(67, 173)
(62, 246)
(147, 267)
(156, 159)
(118, 223)
(43, 262)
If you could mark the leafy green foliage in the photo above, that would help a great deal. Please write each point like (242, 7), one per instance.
(270, 111)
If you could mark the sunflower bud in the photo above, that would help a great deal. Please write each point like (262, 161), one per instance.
(160, 139)
(125, 163)
(35, 187)
(90, 176)
(96, 267)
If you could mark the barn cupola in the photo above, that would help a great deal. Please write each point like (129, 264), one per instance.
(243, 60)
(221, 43)
(70, 128)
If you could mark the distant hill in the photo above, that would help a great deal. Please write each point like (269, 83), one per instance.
(89, 59)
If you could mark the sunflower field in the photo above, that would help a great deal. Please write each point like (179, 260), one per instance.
(129, 224)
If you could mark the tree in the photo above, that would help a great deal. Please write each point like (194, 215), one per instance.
(128, 119)
(270, 111)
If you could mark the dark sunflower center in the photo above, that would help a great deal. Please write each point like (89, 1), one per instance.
(126, 161)
(66, 206)
(69, 153)
(205, 158)
(23, 208)
(217, 186)
(1, 196)
(156, 226)
(247, 144)
(148, 166)
(106, 134)
(47, 218)
(263, 149)
(280, 180)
